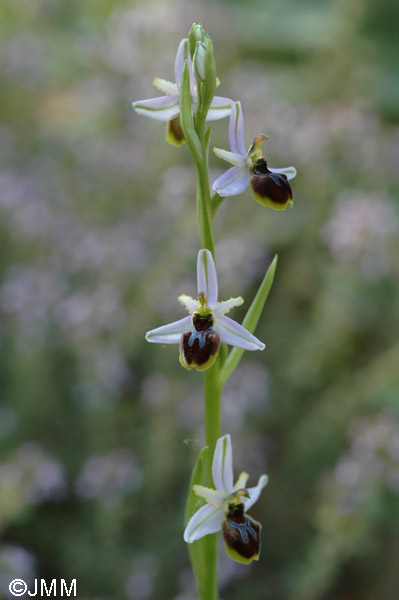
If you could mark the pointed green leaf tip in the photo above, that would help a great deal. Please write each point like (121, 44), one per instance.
(250, 321)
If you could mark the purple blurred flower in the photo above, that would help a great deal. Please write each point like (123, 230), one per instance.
(108, 478)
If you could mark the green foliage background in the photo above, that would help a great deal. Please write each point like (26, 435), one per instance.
(99, 430)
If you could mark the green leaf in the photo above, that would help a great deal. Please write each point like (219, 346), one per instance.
(193, 502)
(197, 550)
(216, 201)
(250, 321)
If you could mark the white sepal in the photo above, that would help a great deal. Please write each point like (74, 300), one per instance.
(207, 280)
(208, 519)
(164, 108)
(236, 335)
(232, 182)
(222, 465)
(170, 333)
(220, 107)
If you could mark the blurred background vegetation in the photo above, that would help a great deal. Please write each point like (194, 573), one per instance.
(99, 430)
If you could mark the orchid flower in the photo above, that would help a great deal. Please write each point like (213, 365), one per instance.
(166, 108)
(269, 186)
(226, 507)
(200, 333)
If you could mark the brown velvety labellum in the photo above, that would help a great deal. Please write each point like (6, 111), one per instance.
(175, 135)
(198, 347)
(268, 185)
(241, 535)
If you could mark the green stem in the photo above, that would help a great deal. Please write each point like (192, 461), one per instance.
(204, 559)
(204, 212)
(213, 394)
(208, 585)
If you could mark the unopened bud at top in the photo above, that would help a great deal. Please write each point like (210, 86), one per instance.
(197, 34)
(199, 62)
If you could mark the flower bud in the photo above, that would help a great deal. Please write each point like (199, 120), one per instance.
(197, 34)
(268, 188)
(199, 62)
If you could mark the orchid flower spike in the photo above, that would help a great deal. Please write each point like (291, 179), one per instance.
(200, 333)
(226, 508)
(269, 186)
(166, 108)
